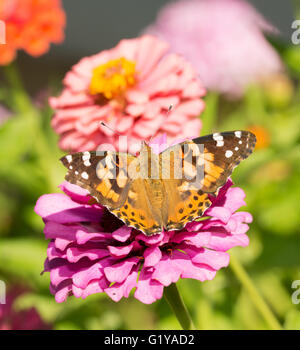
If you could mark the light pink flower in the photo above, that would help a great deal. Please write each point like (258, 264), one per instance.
(223, 39)
(92, 251)
(11, 319)
(136, 105)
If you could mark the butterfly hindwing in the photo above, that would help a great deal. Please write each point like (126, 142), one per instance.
(183, 206)
(138, 211)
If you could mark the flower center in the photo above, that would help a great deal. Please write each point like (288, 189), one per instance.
(111, 79)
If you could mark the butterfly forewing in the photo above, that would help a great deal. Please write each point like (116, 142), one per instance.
(222, 152)
(103, 174)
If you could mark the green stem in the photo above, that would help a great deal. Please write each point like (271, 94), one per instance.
(255, 105)
(21, 103)
(19, 100)
(176, 303)
(256, 298)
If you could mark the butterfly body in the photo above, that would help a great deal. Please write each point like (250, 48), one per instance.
(154, 192)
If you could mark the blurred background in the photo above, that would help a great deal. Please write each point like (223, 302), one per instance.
(270, 177)
(99, 25)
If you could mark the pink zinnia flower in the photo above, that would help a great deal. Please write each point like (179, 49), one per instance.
(92, 251)
(223, 39)
(129, 87)
(12, 319)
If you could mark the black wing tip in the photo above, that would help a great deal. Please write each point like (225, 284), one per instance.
(64, 160)
(237, 133)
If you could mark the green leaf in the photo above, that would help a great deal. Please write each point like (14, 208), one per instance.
(16, 139)
(24, 258)
(292, 320)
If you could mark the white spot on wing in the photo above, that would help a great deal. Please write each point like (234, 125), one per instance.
(69, 158)
(228, 154)
(86, 156)
(238, 134)
(217, 137)
(85, 175)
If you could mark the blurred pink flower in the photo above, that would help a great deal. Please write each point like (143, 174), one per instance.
(92, 251)
(5, 114)
(129, 87)
(11, 319)
(223, 39)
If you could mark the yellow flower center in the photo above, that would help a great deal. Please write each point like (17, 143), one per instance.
(111, 79)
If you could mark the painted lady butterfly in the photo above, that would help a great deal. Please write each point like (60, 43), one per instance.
(147, 191)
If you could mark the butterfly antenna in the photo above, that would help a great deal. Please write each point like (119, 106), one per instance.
(167, 112)
(169, 109)
(111, 129)
(103, 124)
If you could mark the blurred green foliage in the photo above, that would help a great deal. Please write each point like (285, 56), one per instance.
(29, 167)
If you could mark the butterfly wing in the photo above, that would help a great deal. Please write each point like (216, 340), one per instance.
(182, 205)
(103, 174)
(222, 152)
(142, 209)
(106, 177)
(139, 210)
(205, 163)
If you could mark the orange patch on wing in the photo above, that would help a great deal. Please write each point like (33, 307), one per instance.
(213, 170)
(113, 195)
(104, 187)
(188, 210)
(136, 218)
(208, 156)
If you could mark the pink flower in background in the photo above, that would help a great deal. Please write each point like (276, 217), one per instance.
(223, 39)
(130, 88)
(5, 114)
(92, 251)
(11, 319)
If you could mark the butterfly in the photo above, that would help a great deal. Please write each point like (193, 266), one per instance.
(153, 192)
